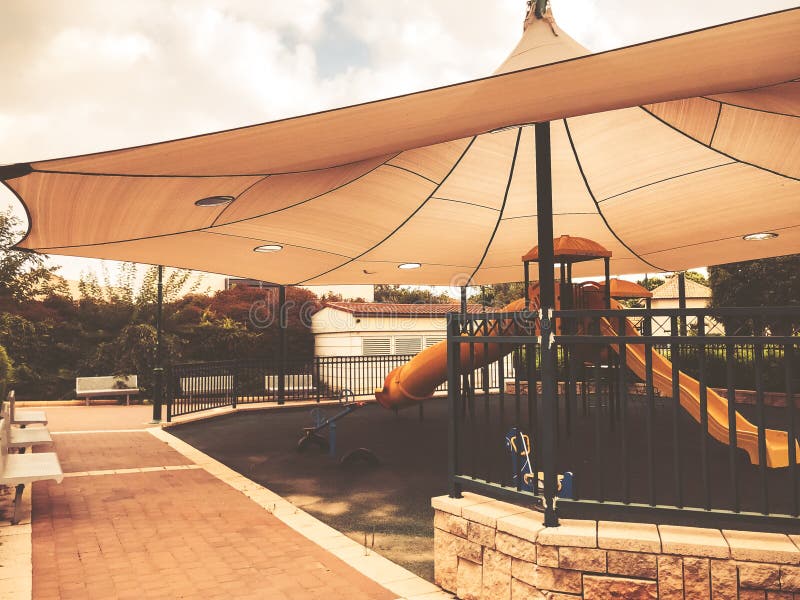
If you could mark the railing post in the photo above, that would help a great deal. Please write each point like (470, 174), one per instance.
(682, 302)
(318, 375)
(453, 397)
(544, 211)
(283, 318)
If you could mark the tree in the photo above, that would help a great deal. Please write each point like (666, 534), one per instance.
(499, 295)
(762, 282)
(696, 277)
(408, 295)
(651, 283)
(23, 274)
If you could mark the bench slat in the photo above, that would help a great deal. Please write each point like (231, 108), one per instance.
(27, 468)
(25, 438)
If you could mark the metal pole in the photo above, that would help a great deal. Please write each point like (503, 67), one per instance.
(544, 211)
(464, 376)
(282, 323)
(527, 267)
(682, 301)
(607, 293)
(283, 318)
(158, 370)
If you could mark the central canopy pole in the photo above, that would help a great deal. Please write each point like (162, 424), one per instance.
(544, 212)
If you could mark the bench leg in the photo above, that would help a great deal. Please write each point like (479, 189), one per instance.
(17, 502)
(127, 399)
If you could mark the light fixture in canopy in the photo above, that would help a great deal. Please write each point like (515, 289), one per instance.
(667, 153)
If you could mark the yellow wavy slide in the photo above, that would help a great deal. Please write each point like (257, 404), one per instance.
(746, 432)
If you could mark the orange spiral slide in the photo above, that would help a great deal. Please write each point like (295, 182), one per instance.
(416, 380)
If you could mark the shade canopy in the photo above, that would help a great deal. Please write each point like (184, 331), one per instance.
(666, 153)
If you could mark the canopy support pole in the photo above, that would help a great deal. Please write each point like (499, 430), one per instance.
(158, 370)
(283, 319)
(544, 212)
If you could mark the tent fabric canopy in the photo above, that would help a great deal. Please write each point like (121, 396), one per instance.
(666, 153)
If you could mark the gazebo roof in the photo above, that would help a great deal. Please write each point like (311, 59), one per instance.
(667, 153)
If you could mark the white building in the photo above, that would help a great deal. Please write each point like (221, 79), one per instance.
(666, 296)
(375, 329)
(386, 333)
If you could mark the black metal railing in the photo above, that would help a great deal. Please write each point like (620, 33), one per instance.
(196, 387)
(688, 440)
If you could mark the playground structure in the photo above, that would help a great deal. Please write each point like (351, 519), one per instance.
(415, 381)
(597, 341)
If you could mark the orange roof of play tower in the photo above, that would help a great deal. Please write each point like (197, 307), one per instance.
(567, 248)
(666, 153)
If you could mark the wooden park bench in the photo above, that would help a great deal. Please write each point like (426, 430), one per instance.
(297, 384)
(21, 469)
(105, 386)
(207, 386)
(24, 418)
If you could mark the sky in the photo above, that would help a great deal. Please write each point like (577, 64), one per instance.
(83, 76)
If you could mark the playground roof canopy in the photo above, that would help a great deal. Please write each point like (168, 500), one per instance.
(667, 153)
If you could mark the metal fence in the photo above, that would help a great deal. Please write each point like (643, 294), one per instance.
(194, 387)
(645, 438)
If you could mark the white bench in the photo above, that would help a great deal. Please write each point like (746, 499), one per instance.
(21, 438)
(95, 387)
(24, 417)
(20, 469)
(296, 383)
(207, 386)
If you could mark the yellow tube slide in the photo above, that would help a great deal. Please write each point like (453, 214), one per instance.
(416, 380)
(777, 445)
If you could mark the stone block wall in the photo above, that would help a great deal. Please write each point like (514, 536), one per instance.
(490, 550)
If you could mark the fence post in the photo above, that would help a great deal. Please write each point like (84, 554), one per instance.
(453, 393)
(235, 382)
(282, 322)
(318, 375)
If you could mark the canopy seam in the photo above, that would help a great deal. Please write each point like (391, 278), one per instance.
(597, 204)
(717, 150)
(727, 164)
(502, 207)
(407, 219)
(722, 239)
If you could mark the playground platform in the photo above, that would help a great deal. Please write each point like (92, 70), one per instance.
(141, 514)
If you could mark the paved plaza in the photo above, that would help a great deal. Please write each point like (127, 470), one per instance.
(141, 514)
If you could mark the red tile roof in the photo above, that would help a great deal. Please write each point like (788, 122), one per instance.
(379, 309)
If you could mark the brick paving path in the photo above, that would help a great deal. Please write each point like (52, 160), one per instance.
(112, 450)
(169, 534)
(87, 418)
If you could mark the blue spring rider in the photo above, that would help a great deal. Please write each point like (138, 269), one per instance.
(524, 477)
